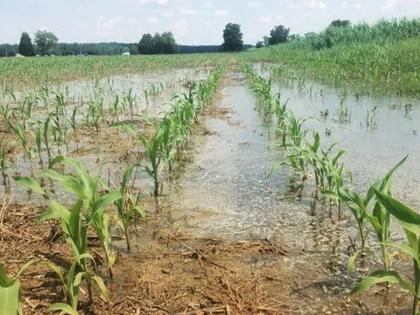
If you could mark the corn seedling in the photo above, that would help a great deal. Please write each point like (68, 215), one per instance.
(128, 207)
(72, 280)
(4, 151)
(410, 222)
(10, 291)
(89, 209)
(153, 150)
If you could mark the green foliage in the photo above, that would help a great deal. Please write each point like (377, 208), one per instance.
(128, 206)
(24, 73)
(232, 37)
(165, 146)
(372, 59)
(158, 44)
(10, 291)
(340, 23)
(4, 152)
(72, 281)
(45, 41)
(410, 222)
(25, 45)
(278, 35)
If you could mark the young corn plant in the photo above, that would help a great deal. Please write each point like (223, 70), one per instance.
(368, 209)
(128, 207)
(4, 151)
(89, 209)
(88, 190)
(410, 222)
(10, 291)
(23, 135)
(72, 280)
(153, 150)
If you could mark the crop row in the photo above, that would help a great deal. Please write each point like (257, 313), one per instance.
(372, 210)
(96, 205)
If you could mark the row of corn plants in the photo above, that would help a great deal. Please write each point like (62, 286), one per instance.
(166, 145)
(96, 206)
(372, 211)
(49, 121)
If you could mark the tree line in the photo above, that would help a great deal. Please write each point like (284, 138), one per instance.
(46, 43)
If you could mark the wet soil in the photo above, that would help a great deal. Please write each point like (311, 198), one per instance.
(224, 238)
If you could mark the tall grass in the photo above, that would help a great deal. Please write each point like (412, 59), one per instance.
(384, 31)
(380, 59)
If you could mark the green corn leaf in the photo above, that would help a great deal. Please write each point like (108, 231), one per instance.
(383, 184)
(25, 267)
(57, 270)
(107, 199)
(10, 298)
(78, 279)
(407, 217)
(330, 194)
(63, 309)
(30, 183)
(351, 264)
(381, 277)
(101, 285)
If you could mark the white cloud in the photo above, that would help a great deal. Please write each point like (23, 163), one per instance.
(264, 19)
(254, 4)
(222, 13)
(186, 11)
(152, 20)
(157, 2)
(180, 28)
(308, 4)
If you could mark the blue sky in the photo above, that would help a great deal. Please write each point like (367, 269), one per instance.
(192, 21)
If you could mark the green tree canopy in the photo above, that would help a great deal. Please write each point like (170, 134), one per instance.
(278, 34)
(158, 44)
(25, 45)
(45, 42)
(146, 45)
(232, 36)
(340, 23)
(259, 44)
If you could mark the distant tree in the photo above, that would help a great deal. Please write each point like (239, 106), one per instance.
(168, 44)
(45, 42)
(266, 39)
(232, 36)
(259, 44)
(146, 45)
(278, 34)
(158, 44)
(294, 37)
(340, 23)
(25, 45)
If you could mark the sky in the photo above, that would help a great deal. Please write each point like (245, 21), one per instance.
(191, 21)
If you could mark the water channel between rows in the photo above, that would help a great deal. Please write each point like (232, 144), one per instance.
(225, 190)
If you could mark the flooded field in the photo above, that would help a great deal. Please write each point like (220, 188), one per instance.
(205, 169)
(228, 191)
